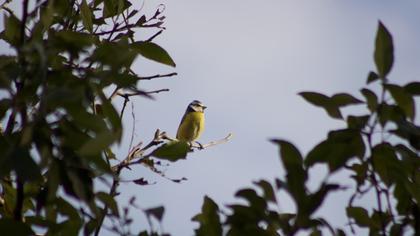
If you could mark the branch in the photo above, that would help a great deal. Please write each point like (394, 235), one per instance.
(142, 93)
(158, 76)
(200, 146)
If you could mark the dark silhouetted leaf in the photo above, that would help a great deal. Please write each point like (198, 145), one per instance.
(371, 99)
(404, 100)
(357, 122)
(387, 165)
(360, 215)
(108, 201)
(388, 113)
(293, 163)
(413, 88)
(156, 212)
(372, 77)
(12, 227)
(344, 99)
(323, 101)
(208, 219)
(384, 51)
(340, 146)
(142, 181)
(268, 190)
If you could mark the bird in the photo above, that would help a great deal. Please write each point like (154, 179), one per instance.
(192, 123)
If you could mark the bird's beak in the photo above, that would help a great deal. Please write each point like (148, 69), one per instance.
(204, 107)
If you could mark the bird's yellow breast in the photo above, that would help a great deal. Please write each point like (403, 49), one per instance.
(191, 127)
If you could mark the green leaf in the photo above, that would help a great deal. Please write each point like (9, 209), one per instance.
(323, 101)
(371, 99)
(413, 88)
(25, 166)
(98, 144)
(208, 219)
(357, 122)
(12, 227)
(316, 199)
(384, 51)
(293, 163)
(156, 212)
(360, 215)
(108, 201)
(172, 151)
(11, 33)
(403, 99)
(388, 113)
(268, 190)
(87, 16)
(154, 52)
(372, 77)
(344, 99)
(252, 197)
(340, 147)
(387, 165)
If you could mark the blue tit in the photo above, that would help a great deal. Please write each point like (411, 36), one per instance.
(192, 123)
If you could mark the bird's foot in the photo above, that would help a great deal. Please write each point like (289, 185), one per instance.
(200, 146)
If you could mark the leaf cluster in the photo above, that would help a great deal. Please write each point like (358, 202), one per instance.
(60, 120)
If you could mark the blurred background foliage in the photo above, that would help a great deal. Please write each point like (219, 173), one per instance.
(72, 58)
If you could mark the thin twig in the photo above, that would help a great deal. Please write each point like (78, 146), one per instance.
(158, 76)
(154, 36)
(142, 93)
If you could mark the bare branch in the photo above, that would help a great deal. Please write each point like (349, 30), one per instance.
(158, 76)
(203, 146)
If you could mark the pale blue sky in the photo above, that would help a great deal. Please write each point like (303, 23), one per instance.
(247, 60)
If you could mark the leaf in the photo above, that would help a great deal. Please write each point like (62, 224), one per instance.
(172, 151)
(387, 165)
(323, 101)
(384, 51)
(388, 112)
(413, 88)
(337, 149)
(11, 33)
(98, 144)
(293, 163)
(87, 16)
(268, 190)
(316, 199)
(372, 77)
(208, 219)
(360, 215)
(252, 197)
(108, 201)
(357, 122)
(403, 99)
(371, 99)
(12, 227)
(25, 166)
(142, 181)
(154, 52)
(344, 99)
(156, 212)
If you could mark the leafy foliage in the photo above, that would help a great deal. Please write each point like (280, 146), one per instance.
(60, 119)
(379, 150)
